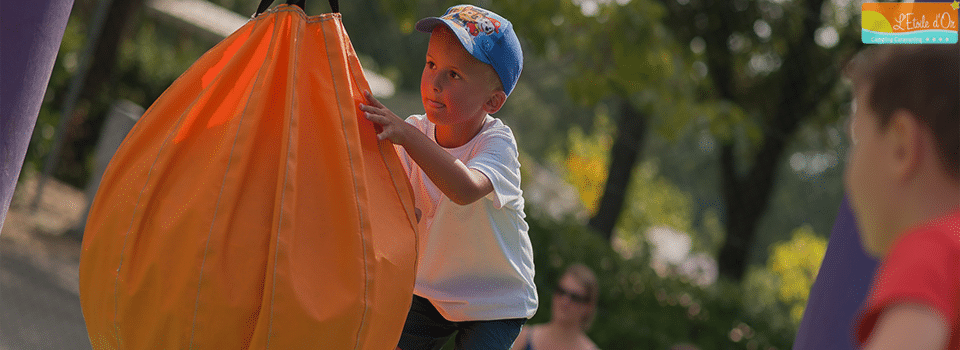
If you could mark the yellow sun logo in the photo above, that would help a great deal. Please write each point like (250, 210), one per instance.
(873, 20)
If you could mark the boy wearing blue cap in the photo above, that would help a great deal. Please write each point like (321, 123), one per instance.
(475, 261)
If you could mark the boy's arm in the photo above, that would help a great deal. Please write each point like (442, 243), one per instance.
(909, 326)
(461, 184)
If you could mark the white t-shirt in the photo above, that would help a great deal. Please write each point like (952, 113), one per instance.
(475, 261)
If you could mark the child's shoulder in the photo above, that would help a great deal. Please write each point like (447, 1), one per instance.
(935, 237)
(949, 222)
(496, 128)
(945, 227)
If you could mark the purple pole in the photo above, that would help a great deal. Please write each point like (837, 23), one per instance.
(841, 286)
(30, 35)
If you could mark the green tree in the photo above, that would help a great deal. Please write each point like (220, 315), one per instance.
(618, 54)
(99, 76)
(135, 57)
(756, 75)
(772, 66)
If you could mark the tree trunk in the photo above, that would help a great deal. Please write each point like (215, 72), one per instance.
(746, 201)
(83, 129)
(747, 197)
(631, 131)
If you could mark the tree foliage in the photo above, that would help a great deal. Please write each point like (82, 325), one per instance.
(136, 58)
(777, 65)
(796, 263)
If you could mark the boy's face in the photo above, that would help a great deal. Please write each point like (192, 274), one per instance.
(455, 86)
(869, 179)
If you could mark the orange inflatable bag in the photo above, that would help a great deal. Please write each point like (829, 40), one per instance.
(252, 206)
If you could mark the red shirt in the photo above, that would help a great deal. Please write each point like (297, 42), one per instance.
(923, 267)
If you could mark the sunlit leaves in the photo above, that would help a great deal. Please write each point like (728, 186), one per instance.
(796, 263)
(656, 201)
(652, 199)
(619, 49)
(585, 164)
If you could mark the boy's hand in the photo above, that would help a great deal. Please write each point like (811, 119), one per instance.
(459, 183)
(394, 128)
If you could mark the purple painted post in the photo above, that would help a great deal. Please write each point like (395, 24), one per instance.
(30, 35)
(841, 286)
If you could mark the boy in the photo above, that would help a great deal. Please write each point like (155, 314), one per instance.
(904, 188)
(475, 260)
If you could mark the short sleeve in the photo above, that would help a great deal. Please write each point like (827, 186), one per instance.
(408, 164)
(920, 269)
(496, 157)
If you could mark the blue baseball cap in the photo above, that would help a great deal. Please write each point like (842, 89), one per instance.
(487, 36)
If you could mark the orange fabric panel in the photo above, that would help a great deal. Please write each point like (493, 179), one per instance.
(252, 206)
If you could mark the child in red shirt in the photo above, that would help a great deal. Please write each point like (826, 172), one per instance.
(903, 177)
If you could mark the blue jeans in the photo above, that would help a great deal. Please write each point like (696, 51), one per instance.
(426, 329)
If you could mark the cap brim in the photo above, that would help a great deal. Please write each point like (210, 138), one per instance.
(426, 25)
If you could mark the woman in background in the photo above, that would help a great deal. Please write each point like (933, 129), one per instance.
(574, 305)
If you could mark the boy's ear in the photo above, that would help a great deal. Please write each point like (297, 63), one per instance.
(908, 143)
(495, 102)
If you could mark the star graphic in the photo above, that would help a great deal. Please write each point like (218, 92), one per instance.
(955, 5)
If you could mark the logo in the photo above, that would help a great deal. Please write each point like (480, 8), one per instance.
(475, 20)
(909, 23)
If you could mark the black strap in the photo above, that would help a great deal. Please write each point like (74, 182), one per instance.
(264, 4)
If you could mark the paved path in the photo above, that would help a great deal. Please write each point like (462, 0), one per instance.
(39, 299)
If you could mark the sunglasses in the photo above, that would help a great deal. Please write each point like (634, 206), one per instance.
(574, 297)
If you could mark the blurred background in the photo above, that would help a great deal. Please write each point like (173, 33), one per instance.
(689, 151)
